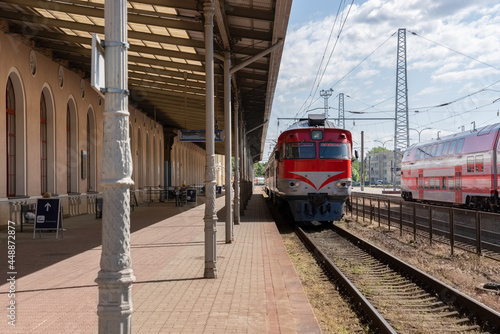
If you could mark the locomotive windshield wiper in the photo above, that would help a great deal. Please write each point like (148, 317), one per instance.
(324, 149)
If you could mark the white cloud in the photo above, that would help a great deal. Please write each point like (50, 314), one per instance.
(438, 70)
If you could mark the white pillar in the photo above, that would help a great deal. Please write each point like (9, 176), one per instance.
(210, 218)
(115, 277)
(228, 150)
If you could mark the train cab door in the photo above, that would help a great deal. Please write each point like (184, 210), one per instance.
(420, 184)
(458, 184)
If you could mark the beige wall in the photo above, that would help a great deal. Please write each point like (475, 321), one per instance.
(145, 133)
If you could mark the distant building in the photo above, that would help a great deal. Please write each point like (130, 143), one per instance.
(378, 167)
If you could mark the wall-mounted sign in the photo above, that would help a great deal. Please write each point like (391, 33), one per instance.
(199, 135)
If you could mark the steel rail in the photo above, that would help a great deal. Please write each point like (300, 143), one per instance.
(370, 312)
(484, 316)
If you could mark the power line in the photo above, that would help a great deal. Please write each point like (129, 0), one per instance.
(361, 62)
(322, 59)
(460, 53)
(333, 49)
(317, 80)
(458, 99)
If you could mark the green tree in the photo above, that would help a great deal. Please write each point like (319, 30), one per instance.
(356, 171)
(259, 168)
(378, 149)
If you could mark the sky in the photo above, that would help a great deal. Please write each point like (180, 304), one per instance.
(350, 47)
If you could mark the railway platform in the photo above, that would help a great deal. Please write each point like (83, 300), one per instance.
(257, 289)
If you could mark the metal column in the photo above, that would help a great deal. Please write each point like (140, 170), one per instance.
(341, 121)
(115, 277)
(228, 171)
(236, 163)
(210, 217)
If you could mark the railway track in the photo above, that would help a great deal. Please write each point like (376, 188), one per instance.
(469, 230)
(392, 296)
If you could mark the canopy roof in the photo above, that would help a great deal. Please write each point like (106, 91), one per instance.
(166, 55)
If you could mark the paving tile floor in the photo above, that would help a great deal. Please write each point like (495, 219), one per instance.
(256, 290)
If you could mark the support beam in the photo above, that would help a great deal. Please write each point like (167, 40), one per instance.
(115, 277)
(228, 150)
(210, 218)
(250, 60)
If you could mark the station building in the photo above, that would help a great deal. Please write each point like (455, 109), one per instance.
(51, 138)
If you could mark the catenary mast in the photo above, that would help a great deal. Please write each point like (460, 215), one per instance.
(401, 138)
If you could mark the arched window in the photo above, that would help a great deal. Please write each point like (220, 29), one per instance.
(148, 161)
(155, 162)
(88, 153)
(68, 150)
(11, 139)
(91, 151)
(131, 142)
(139, 159)
(71, 148)
(43, 144)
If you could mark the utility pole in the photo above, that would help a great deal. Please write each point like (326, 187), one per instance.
(362, 162)
(326, 94)
(401, 138)
(341, 122)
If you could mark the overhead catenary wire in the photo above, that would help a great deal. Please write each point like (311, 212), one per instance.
(318, 77)
(453, 50)
(333, 49)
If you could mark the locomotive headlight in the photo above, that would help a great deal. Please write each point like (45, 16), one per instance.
(294, 184)
(343, 184)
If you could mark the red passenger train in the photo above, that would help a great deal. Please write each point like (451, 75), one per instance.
(310, 170)
(457, 169)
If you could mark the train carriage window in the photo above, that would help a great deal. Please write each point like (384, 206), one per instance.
(444, 183)
(470, 164)
(440, 149)
(452, 147)
(438, 185)
(450, 183)
(479, 163)
(282, 151)
(300, 151)
(417, 153)
(431, 183)
(460, 146)
(446, 147)
(434, 149)
(428, 151)
(333, 151)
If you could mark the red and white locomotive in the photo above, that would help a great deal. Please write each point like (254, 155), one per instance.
(310, 170)
(457, 169)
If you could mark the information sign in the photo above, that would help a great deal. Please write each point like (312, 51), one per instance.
(199, 135)
(48, 215)
(191, 196)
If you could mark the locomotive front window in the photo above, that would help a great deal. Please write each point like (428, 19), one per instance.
(333, 151)
(300, 151)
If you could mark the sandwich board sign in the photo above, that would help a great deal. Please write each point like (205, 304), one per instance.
(48, 216)
(191, 196)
